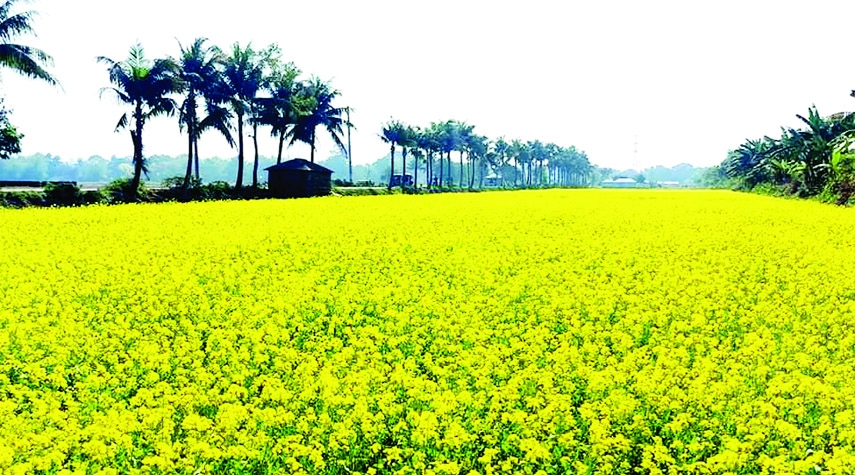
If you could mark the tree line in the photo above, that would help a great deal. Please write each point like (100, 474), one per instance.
(231, 92)
(530, 163)
(239, 91)
(815, 159)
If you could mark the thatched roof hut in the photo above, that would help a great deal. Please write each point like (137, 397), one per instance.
(298, 178)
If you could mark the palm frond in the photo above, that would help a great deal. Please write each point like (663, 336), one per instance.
(15, 25)
(27, 61)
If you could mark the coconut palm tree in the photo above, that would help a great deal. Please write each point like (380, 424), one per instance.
(217, 114)
(538, 154)
(197, 68)
(392, 134)
(321, 112)
(144, 85)
(408, 141)
(463, 132)
(476, 147)
(501, 148)
(449, 141)
(25, 60)
(425, 146)
(437, 142)
(418, 157)
(518, 151)
(281, 110)
(243, 78)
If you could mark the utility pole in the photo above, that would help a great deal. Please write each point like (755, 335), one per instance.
(349, 156)
(635, 155)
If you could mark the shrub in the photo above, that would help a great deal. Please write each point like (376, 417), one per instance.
(120, 191)
(20, 199)
(217, 190)
(63, 194)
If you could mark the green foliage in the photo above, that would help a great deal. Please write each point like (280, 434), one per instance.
(841, 187)
(713, 177)
(25, 60)
(10, 138)
(175, 182)
(144, 86)
(64, 194)
(122, 191)
(21, 199)
(811, 161)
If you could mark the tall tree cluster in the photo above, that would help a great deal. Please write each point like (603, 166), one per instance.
(516, 163)
(814, 159)
(25, 60)
(236, 93)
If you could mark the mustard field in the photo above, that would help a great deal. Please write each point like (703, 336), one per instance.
(528, 332)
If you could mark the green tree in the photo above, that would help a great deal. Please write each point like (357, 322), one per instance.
(462, 133)
(438, 142)
(519, 152)
(476, 149)
(243, 77)
(281, 110)
(392, 134)
(198, 69)
(218, 117)
(25, 60)
(10, 138)
(426, 145)
(144, 85)
(408, 141)
(320, 112)
(449, 139)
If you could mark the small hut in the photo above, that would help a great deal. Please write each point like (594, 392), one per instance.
(298, 178)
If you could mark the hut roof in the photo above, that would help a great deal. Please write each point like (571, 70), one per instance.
(300, 164)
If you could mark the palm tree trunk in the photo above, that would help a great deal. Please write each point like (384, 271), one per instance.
(441, 168)
(460, 178)
(404, 166)
(313, 146)
(239, 181)
(472, 175)
(136, 137)
(135, 181)
(196, 155)
(255, 153)
(416, 171)
(281, 144)
(191, 121)
(516, 165)
(392, 170)
(189, 172)
(450, 180)
(427, 168)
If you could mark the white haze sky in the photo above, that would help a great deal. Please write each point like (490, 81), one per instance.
(689, 79)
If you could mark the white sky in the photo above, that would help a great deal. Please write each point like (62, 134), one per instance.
(690, 79)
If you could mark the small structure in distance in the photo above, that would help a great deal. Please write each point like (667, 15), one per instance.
(624, 182)
(402, 180)
(298, 178)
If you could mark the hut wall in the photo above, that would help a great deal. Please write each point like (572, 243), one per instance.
(298, 183)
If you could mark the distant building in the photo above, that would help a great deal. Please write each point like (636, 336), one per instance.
(492, 181)
(623, 183)
(402, 180)
(298, 178)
